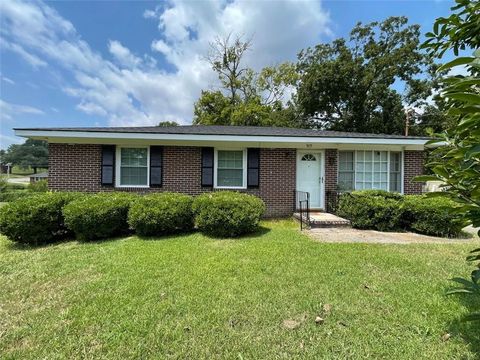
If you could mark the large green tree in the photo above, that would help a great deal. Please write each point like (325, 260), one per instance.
(352, 85)
(32, 153)
(245, 97)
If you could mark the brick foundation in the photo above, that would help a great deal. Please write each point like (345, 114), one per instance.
(77, 168)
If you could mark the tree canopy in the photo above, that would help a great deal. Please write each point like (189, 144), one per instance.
(32, 153)
(364, 83)
(353, 85)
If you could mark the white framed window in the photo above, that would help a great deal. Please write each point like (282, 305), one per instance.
(346, 170)
(370, 169)
(132, 166)
(230, 169)
(396, 171)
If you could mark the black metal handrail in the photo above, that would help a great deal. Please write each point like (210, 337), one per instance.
(302, 204)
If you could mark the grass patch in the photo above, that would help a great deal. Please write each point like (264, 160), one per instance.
(192, 296)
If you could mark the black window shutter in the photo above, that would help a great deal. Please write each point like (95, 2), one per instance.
(207, 166)
(253, 168)
(156, 166)
(108, 164)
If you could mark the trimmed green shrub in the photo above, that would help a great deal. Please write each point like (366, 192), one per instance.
(36, 219)
(162, 213)
(99, 216)
(371, 209)
(431, 216)
(227, 213)
(3, 183)
(9, 196)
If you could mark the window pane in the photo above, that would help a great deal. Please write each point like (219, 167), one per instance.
(346, 174)
(371, 170)
(229, 177)
(230, 159)
(134, 157)
(396, 171)
(230, 168)
(133, 166)
(133, 175)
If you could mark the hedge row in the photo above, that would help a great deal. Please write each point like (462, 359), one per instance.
(385, 211)
(50, 217)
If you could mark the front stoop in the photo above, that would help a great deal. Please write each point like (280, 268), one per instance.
(324, 220)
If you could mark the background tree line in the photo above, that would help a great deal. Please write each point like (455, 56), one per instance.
(366, 83)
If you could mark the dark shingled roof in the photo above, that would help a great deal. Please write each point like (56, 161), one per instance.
(229, 130)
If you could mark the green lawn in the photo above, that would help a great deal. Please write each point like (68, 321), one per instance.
(197, 297)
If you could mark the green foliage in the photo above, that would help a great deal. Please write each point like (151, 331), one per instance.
(33, 153)
(227, 213)
(9, 196)
(370, 210)
(246, 97)
(167, 123)
(39, 186)
(348, 85)
(36, 219)
(212, 108)
(160, 214)
(458, 164)
(470, 286)
(98, 216)
(385, 211)
(431, 216)
(3, 183)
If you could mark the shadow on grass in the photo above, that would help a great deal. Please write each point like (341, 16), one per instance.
(165, 237)
(469, 331)
(17, 246)
(259, 232)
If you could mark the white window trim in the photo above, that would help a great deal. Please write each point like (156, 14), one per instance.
(244, 168)
(402, 166)
(118, 160)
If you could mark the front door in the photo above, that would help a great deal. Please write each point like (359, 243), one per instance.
(310, 176)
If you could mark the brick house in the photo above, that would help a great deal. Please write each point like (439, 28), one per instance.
(271, 163)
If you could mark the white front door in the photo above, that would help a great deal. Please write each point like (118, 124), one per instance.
(310, 176)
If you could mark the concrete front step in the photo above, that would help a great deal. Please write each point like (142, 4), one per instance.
(322, 219)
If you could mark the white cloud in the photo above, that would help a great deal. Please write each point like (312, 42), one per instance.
(132, 90)
(7, 80)
(8, 110)
(123, 55)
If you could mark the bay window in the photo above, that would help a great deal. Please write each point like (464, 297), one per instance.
(132, 166)
(370, 169)
(230, 166)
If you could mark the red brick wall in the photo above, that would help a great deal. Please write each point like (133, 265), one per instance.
(74, 167)
(413, 165)
(77, 168)
(331, 161)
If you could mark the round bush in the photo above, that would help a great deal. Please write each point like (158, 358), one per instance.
(98, 216)
(162, 213)
(431, 216)
(227, 213)
(371, 209)
(36, 219)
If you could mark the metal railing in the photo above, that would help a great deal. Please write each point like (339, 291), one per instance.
(302, 204)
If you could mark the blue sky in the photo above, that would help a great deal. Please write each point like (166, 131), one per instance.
(102, 63)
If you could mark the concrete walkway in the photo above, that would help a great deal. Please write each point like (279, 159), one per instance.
(347, 235)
